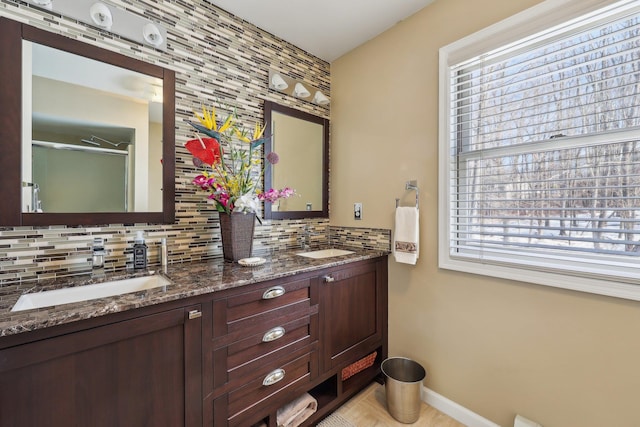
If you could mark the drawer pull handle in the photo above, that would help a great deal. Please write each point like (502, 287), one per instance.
(194, 314)
(274, 292)
(273, 334)
(273, 377)
(329, 279)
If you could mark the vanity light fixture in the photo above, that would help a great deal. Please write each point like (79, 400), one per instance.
(101, 15)
(297, 88)
(277, 82)
(299, 91)
(320, 99)
(110, 18)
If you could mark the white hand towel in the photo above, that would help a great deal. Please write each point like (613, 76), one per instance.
(407, 235)
(296, 412)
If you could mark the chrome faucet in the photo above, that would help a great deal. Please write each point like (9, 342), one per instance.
(306, 237)
(164, 258)
(97, 260)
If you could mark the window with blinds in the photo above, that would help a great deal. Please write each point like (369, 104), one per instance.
(542, 150)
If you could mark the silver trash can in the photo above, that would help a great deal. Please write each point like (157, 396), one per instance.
(402, 387)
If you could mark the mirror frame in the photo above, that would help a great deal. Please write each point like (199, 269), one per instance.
(11, 35)
(269, 108)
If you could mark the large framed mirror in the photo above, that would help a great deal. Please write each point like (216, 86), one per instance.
(86, 136)
(301, 141)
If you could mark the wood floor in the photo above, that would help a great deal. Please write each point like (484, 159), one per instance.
(369, 409)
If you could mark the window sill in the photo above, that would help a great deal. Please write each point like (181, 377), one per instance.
(563, 281)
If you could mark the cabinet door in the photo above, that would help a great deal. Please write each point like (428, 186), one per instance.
(130, 373)
(352, 312)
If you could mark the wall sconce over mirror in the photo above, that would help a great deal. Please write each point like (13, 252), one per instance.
(46, 4)
(299, 91)
(109, 18)
(296, 88)
(152, 34)
(320, 99)
(101, 15)
(277, 82)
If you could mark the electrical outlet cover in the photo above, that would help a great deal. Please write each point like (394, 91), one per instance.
(357, 211)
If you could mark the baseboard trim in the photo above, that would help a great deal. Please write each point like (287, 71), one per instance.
(454, 410)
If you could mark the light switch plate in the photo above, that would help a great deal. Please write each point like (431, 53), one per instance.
(357, 211)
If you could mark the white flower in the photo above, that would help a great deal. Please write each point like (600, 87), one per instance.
(247, 203)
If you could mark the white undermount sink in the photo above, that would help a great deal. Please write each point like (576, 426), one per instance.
(325, 253)
(88, 292)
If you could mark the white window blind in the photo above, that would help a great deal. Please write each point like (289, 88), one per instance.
(543, 150)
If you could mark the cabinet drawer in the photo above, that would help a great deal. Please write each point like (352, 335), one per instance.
(256, 394)
(240, 361)
(242, 355)
(246, 314)
(266, 299)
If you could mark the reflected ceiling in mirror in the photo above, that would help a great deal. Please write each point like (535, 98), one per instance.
(301, 141)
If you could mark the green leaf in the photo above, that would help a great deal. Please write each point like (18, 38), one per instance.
(209, 132)
(259, 142)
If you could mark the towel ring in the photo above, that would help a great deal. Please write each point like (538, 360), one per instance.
(411, 185)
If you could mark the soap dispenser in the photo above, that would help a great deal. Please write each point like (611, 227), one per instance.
(139, 252)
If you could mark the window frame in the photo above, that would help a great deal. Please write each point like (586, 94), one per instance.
(543, 16)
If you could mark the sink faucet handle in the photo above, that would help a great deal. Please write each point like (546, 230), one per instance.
(98, 243)
(97, 259)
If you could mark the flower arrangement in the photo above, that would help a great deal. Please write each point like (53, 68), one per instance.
(229, 175)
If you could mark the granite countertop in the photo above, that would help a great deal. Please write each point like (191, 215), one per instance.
(188, 279)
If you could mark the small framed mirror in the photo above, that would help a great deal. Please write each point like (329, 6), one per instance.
(301, 141)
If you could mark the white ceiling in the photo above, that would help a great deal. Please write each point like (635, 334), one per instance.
(325, 28)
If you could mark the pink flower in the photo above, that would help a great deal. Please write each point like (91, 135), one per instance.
(269, 196)
(273, 158)
(203, 182)
(287, 192)
(222, 197)
(272, 195)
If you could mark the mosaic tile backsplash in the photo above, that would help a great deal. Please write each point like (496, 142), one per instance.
(218, 58)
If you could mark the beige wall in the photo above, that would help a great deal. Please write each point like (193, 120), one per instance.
(497, 347)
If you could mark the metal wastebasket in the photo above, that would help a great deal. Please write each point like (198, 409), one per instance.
(402, 387)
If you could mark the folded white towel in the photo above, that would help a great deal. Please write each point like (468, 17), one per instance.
(407, 235)
(296, 412)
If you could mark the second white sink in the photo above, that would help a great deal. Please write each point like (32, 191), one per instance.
(325, 253)
(88, 292)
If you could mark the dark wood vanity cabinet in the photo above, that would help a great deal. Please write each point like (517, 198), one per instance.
(354, 307)
(328, 320)
(226, 359)
(262, 343)
(135, 372)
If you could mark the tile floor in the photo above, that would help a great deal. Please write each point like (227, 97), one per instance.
(368, 409)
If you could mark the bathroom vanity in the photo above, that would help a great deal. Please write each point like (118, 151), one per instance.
(223, 345)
